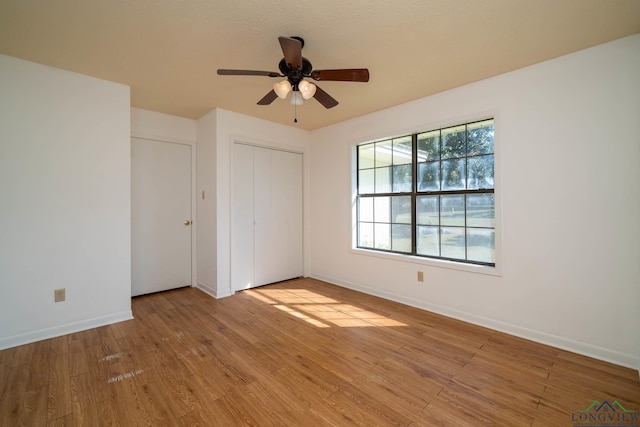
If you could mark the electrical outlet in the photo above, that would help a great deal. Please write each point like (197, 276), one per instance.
(420, 276)
(59, 295)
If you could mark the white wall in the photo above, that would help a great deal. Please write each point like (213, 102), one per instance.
(162, 127)
(216, 133)
(206, 208)
(568, 156)
(64, 202)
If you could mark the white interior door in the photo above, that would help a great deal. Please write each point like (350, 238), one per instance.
(161, 216)
(267, 216)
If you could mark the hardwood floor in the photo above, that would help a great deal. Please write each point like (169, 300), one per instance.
(296, 353)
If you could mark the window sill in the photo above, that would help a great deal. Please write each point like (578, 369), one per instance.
(452, 265)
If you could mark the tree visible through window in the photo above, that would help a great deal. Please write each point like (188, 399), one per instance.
(430, 194)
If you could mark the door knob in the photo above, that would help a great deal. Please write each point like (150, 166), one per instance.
(187, 222)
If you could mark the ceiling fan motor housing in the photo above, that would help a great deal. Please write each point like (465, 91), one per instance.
(295, 76)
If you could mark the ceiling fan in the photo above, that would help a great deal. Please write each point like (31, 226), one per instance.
(296, 68)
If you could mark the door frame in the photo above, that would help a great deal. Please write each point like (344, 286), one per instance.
(194, 219)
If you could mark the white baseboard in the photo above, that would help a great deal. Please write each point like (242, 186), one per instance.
(69, 328)
(224, 293)
(207, 289)
(210, 290)
(597, 352)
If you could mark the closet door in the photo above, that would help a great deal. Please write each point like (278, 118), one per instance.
(277, 215)
(267, 216)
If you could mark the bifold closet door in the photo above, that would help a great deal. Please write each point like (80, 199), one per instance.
(277, 215)
(267, 216)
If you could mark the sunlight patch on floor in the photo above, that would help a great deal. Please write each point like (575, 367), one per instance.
(299, 315)
(319, 310)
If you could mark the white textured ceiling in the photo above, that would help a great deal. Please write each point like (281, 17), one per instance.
(168, 51)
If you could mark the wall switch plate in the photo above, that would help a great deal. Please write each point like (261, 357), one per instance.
(420, 276)
(59, 295)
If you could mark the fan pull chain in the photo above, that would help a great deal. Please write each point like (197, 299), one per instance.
(295, 112)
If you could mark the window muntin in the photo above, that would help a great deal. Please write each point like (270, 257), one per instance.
(430, 194)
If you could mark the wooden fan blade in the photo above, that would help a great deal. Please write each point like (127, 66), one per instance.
(224, 72)
(345, 75)
(292, 50)
(324, 98)
(268, 98)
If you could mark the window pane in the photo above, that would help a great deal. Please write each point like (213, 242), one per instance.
(365, 209)
(402, 178)
(366, 156)
(429, 176)
(481, 245)
(480, 172)
(480, 138)
(366, 180)
(428, 241)
(480, 210)
(382, 209)
(453, 242)
(452, 210)
(453, 142)
(453, 176)
(401, 210)
(382, 236)
(428, 212)
(429, 146)
(383, 180)
(401, 238)
(383, 153)
(365, 235)
(402, 151)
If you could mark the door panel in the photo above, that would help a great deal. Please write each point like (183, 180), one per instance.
(287, 212)
(270, 240)
(160, 206)
(293, 216)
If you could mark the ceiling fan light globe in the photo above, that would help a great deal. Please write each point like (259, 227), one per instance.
(307, 89)
(296, 98)
(282, 88)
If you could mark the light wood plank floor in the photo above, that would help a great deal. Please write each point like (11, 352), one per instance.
(298, 353)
